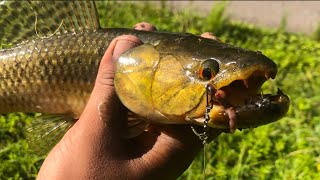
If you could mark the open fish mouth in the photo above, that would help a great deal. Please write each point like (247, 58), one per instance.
(241, 104)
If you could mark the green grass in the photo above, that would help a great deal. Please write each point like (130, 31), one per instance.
(316, 33)
(287, 149)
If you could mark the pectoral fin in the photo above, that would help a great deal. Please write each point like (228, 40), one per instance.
(46, 131)
(136, 125)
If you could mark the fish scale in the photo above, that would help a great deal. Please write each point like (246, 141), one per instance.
(34, 70)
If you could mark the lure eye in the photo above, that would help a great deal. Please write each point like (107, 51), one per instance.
(209, 69)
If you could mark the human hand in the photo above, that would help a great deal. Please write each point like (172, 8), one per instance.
(94, 148)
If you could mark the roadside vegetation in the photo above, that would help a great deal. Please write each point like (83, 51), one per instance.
(287, 149)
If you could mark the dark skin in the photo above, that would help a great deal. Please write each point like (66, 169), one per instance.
(94, 148)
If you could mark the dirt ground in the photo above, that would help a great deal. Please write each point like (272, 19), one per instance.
(301, 16)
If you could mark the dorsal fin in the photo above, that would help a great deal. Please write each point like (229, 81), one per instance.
(21, 20)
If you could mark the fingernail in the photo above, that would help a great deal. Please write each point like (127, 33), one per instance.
(144, 26)
(210, 35)
(121, 47)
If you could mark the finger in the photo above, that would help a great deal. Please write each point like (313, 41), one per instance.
(144, 26)
(105, 76)
(103, 103)
(210, 35)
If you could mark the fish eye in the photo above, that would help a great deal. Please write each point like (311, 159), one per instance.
(206, 74)
(209, 69)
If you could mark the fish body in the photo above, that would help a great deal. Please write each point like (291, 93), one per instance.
(53, 75)
(51, 67)
(56, 74)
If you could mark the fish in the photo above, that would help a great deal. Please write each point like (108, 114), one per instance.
(52, 51)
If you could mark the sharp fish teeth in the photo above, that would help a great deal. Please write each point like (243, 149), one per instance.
(279, 92)
(246, 82)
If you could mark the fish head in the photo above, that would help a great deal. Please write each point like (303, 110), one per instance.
(176, 73)
(234, 76)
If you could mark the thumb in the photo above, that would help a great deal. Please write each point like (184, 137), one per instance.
(103, 103)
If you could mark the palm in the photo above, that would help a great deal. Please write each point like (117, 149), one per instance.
(167, 148)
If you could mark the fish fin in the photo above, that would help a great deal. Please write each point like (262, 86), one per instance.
(136, 125)
(45, 131)
(26, 19)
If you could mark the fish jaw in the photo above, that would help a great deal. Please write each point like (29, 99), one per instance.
(235, 98)
(244, 65)
(260, 111)
(240, 105)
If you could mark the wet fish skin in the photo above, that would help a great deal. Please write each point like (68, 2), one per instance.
(50, 75)
(53, 75)
(56, 74)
